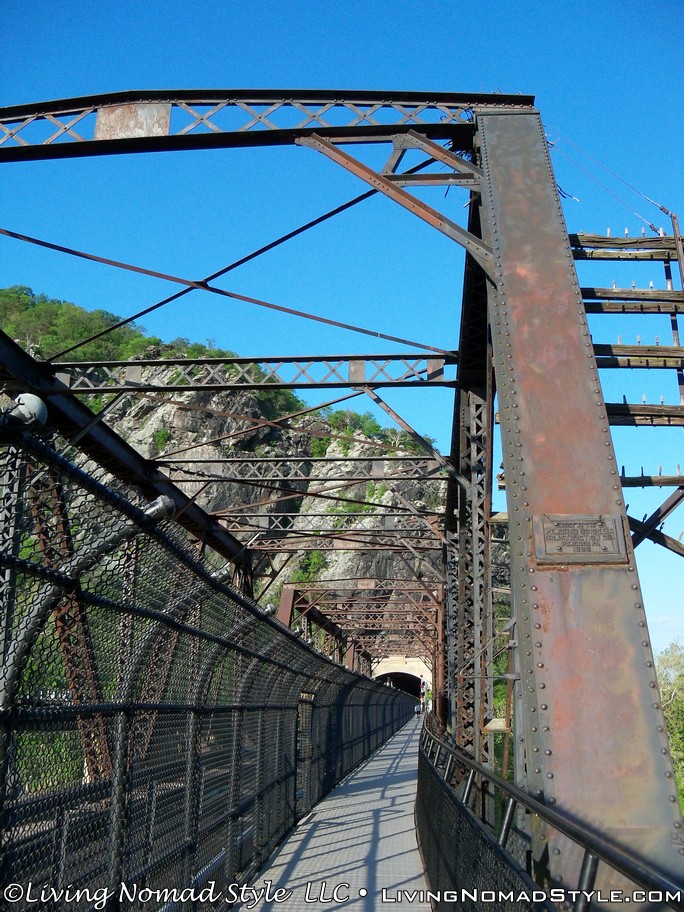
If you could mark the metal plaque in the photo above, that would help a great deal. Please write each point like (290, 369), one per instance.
(579, 539)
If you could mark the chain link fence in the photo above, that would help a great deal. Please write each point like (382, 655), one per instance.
(159, 730)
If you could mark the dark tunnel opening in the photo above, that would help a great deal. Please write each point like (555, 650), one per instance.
(409, 683)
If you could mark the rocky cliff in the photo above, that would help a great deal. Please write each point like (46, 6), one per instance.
(260, 473)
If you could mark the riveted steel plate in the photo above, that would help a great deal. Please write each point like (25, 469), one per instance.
(579, 539)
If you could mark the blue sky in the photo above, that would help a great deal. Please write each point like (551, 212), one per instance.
(607, 78)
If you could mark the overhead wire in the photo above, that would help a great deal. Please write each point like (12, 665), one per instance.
(607, 190)
(337, 210)
(204, 286)
(614, 174)
(295, 494)
(554, 145)
(224, 271)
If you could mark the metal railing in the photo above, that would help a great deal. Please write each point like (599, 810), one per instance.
(158, 730)
(472, 846)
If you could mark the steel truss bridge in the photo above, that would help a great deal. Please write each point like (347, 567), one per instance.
(163, 722)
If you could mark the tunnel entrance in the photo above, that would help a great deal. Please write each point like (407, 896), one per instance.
(402, 681)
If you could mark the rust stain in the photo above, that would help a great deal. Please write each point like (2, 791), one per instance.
(129, 121)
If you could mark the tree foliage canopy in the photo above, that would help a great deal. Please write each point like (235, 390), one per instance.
(670, 668)
(46, 326)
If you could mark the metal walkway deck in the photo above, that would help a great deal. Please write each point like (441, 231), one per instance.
(357, 848)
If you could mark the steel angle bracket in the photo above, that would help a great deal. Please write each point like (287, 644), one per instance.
(414, 140)
(474, 246)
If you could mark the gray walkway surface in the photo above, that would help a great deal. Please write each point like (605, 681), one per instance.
(357, 849)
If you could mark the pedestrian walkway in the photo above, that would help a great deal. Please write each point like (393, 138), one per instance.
(357, 848)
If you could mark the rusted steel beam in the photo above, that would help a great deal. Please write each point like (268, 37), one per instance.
(324, 372)
(307, 522)
(414, 140)
(325, 591)
(363, 583)
(655, 535)
(72, 418)
(379, 465)
(290, 372)
(235, 476)
(146, 121)
(474, 245)
(651, 481)
(397, 609)
(368, 469)
(398, 602)
(660, 515)
(288, 603)
(294, 543)
(52, 528)
(634, 414)
(587, 240)
(593, 727)
(391, 624)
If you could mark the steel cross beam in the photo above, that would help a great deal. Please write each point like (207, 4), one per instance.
(312, 372)
(335, 590)
(635, 300)
(633, 414)
(651, 524)
(294, 543)
(218, 374)
(636, 414)
(375, 526)
(362, 612)
(375, 599)
(655, 535)
(360, 606)
(147, 121)
(370, 469)
(640, 356)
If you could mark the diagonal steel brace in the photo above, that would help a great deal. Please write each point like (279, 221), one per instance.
(474, 245)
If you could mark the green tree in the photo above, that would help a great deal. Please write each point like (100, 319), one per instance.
(45, 327)
(311, 565)
(670, 669)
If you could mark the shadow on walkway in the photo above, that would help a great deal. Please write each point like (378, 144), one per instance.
(357, 848)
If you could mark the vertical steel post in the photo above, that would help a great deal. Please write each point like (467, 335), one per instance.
(466, 724)
(451, 597)
(474, 614)
(439, 706)
(594, 731)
